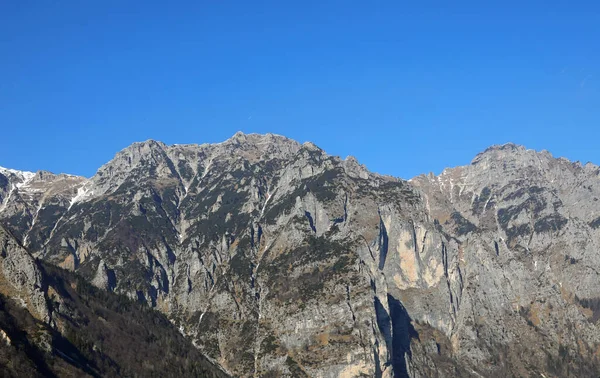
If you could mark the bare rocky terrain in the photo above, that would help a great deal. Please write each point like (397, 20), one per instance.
(276, 259)
(55, 324)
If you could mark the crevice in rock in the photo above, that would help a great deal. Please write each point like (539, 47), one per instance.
(189, 285)
(259, 236)
(414, 237)
(368, 247)
(171, 257)
(383, 243)
(111, 278)
(153, 294)
(445, 259)
(164, 280)
(188, 279)
(497, 248)
(402, 334)
(349, 304)
(346, 208)
(378, 372)
(445, 263)
(141, 297)
(384, 323)
(310, 221)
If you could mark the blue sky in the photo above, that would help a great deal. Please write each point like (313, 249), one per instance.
(405, 88)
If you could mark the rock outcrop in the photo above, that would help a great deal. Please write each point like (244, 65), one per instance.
(21, 278)
(53, 323)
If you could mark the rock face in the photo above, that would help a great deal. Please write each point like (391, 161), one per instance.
(21, 278)
(277, 259)
(528, 230)
(32, 203)
(53, 323)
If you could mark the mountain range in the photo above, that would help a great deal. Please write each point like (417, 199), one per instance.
(264, 257)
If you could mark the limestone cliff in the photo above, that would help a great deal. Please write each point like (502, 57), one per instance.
(277, 259)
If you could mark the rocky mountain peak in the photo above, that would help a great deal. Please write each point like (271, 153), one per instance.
(140, 158)
(269, 145)
(311, 146)
(184, 162)
(511, 153)
(139, 151)
(280, 260)
(505, 147)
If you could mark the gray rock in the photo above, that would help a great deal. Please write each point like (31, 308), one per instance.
(21, 278)
(280, 260)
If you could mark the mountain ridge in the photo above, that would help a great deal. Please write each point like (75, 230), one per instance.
(277, 259)
(493, 147)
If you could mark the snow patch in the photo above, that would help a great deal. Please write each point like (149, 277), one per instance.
(82, 193)
(25, 175)
(207, 168)
(7, 201)
(269, 195)
(35, 217)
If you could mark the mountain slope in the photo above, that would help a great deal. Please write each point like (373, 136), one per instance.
(527, 227)
(277, 259)
(79, 330)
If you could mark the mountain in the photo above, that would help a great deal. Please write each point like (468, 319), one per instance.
(55, 324)
(277, 259)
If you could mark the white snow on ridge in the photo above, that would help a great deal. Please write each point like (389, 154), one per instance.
(25, 175)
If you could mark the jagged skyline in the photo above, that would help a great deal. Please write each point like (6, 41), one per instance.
(405, 88)
(277, 259)
(29, 174)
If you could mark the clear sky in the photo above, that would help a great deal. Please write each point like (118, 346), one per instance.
(405, 88)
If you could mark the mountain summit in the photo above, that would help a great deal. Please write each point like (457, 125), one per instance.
(277, 259)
